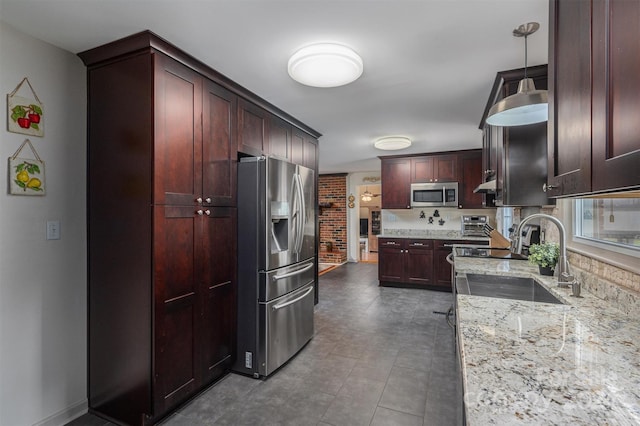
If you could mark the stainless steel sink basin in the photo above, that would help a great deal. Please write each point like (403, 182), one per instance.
(505, 287)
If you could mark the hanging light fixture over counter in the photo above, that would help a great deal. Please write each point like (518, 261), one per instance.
(325, 65)
(528, 105)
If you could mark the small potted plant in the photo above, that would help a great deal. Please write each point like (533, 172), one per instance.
(544, 255)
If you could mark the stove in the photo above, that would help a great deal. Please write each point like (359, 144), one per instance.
(473, 226)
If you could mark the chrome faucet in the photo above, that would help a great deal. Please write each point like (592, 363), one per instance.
(565, 279)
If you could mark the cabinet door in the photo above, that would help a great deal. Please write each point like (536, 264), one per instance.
(419, 255)
(396, 183)
(297, 147)
(178, 133)
(176, 246)
(422, 169)
(218, 283)
(280, 139)
(616, 90)
(445, 168)
(252, 129)
(569, 126)
(470, 178)
(219, 149)
(310, 153)
(391, 263)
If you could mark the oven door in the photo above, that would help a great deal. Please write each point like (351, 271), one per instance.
(286, 325)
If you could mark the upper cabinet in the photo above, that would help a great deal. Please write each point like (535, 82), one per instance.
(435, 168)
(398, 173)
(594, 133)
(253, 128)
(395, 174)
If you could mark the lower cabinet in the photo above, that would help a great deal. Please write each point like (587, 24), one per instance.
(405, 261)
(418, 262)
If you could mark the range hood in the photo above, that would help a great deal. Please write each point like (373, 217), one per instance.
(486, 187)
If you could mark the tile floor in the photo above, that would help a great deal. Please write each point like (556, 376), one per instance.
(380, 356)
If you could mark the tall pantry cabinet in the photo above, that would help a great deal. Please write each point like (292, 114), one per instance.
(161, 191)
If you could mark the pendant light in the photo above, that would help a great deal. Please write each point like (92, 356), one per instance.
(528, 105)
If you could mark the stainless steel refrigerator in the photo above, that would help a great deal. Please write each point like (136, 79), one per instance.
(276, 263)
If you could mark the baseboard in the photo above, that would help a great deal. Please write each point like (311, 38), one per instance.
(66, 415)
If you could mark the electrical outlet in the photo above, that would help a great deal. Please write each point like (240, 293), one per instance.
(248, 359)
(53, 230)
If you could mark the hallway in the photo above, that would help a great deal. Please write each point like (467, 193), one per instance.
(380, 356)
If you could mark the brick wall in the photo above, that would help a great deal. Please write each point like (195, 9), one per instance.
(332, 190)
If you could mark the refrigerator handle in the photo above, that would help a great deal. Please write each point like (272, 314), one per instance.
(290, 274)
(291, 302)
(303, 213)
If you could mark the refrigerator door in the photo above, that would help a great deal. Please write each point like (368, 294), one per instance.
(286, 325)
(307, 238)
(281, 214)
(277, 282)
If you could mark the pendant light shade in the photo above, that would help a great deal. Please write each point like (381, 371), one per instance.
(528, 105)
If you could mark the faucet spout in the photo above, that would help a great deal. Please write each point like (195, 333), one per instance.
(564, 278)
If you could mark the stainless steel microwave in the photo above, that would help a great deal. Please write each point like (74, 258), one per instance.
(440, 194)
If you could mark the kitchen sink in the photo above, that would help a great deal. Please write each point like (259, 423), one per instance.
(505, 287)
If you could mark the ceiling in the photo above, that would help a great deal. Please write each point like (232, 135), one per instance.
(428, 64)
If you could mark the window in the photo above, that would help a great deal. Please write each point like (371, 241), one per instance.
(609, 222)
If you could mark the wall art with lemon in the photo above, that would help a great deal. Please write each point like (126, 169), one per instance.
(26, 175)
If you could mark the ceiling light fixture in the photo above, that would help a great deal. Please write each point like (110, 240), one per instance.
(367, 195)
(325, 65)
(528, 105)
(392, 143)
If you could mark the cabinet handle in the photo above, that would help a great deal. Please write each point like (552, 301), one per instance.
(391, 243)
(435, 180)
(546, 187)
(199, 212)
(417, 244)
(207, 212)
(199, 200)
(208, 199)
(489, 172)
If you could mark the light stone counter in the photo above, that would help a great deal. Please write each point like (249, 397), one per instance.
(544, 364)
(433, 234)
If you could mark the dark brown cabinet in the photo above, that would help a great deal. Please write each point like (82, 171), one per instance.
(470, 177)
(280, 139)
(395, 176)
(163, 137)
(253, 130)
(398, 173)
(434, 168)
(405, 261)
(594, 143)
(417, 262)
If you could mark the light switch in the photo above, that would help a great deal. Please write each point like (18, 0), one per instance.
(53, 230)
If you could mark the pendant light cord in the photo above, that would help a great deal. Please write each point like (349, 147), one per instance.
(525, 55)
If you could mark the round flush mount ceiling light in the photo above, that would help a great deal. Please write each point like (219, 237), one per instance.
(325, 65)
(392, 143)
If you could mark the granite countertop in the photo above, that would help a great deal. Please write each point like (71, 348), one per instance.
(433, 234)
(539, 363)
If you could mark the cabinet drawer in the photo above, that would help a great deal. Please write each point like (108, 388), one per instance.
(390, 242)
(420, 244)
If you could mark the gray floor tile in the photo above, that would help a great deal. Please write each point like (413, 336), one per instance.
(348, 411)
(379, 356)
(386, 417)
(406, 391)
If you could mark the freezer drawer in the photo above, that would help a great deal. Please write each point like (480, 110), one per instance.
(279, 282)
(286, 326)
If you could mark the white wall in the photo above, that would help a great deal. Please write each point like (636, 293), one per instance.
(43, 283)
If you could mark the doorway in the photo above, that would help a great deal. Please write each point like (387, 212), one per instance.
(369, 220)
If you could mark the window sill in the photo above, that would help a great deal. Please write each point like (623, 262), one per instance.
(619, 260)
